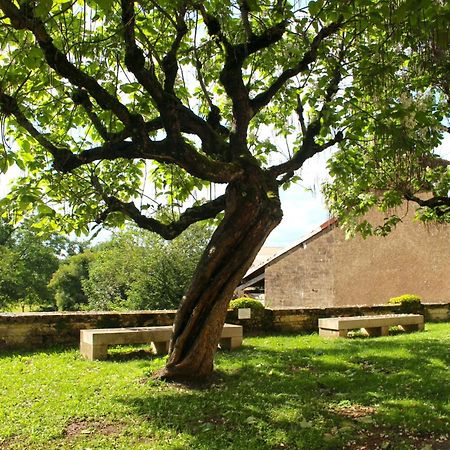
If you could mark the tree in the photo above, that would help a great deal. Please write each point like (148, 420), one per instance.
(185, 94)
(66, 283)
(399, 115)
(27, 262)
(140, 270)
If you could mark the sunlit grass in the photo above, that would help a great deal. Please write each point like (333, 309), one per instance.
(276, 392)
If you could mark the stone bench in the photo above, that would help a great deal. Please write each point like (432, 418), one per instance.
(374, 325)
(94, 343)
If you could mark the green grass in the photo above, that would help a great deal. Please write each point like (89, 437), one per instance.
(277, 392)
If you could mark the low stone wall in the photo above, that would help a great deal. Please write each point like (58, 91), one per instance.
(44, 330)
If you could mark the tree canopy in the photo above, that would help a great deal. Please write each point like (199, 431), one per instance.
(134, 270)
(102, 98)
(27, 262)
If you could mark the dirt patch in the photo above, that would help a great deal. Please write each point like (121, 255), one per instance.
(10, 443)
(353, 411)
(86, 427)
(14, 443)
(379, 440)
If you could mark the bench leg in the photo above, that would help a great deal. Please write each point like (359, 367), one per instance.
(93, 352)
(414, 327)
(160, 348)
(231, 343)
(324, 332)
(377, 331)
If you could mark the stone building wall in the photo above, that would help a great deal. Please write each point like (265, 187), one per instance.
(412, 259)
(304, 277)
(332, 271)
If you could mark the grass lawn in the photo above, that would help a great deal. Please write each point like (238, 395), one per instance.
(276, 392)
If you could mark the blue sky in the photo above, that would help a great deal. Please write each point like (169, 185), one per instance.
(303, 205)
(303, 212)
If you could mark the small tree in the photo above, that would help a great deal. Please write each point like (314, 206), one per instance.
(66, 283)
(139, 270)
(184, 93)
(27, 262)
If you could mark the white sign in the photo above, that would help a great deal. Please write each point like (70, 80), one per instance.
(244, 313)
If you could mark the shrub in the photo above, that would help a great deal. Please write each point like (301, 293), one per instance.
(67, 282)
(246, 302)
(409, 299)
(408, 302)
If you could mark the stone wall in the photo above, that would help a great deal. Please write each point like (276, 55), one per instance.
(413, 259)
(44, 330)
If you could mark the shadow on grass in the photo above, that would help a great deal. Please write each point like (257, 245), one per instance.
(276, 392)
(312, 396)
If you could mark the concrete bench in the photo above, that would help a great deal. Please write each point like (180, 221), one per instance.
(94, 343)
(374, 325)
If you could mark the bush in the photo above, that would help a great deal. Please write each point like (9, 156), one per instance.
(246, 302)
(408, 302)
(67, 282)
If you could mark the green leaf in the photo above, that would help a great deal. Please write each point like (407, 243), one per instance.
(45, 210)
(43, 7)
(105, 5)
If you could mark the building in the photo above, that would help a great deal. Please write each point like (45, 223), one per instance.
(323, 269)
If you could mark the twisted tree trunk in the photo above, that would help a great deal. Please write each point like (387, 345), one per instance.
(252, 212)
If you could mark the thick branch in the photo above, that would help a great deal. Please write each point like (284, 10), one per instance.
(441, 205)
(309, 57)
(245, 9)
(167, 231)
(134, 56)
(231, 74)
(165, 151)
(169, 63)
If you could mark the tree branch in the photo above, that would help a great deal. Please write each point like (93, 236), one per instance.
(81, 97)
(168, 231)
(439, 204)
(134, 56)
(245, 9)
(231, 74)
(180, 153)
(309, 147)
(309, 57)
(62, 156)
(162, 151)
(169, 62)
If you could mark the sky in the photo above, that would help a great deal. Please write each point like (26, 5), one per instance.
(303, 205)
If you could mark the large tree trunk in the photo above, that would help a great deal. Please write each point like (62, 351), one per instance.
(252, 212)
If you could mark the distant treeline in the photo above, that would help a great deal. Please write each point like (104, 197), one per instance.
(135, 269)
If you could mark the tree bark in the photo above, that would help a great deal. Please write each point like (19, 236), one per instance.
(252, 211)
